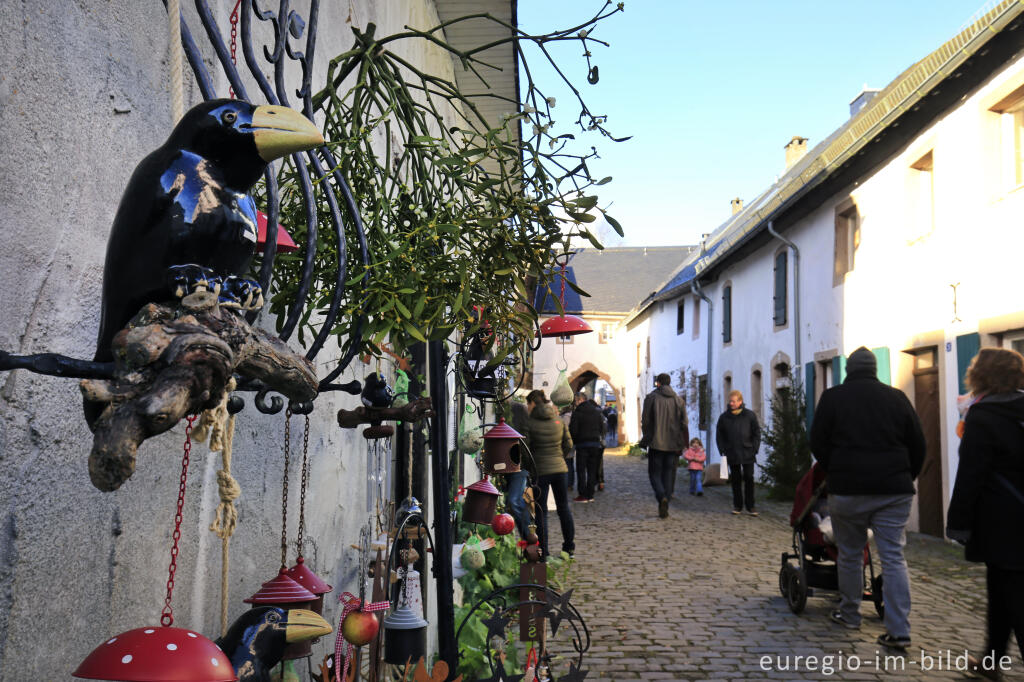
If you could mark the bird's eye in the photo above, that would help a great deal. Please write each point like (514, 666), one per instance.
(273, 617)
(229, 117)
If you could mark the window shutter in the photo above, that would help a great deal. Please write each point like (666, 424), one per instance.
(727, 314)
(838, 369)
(884, 371)
(780, 288)
(967, 346)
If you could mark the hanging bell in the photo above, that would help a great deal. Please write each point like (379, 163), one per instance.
(501, 450)
(306, 578)
(481, 502)
(405, 636)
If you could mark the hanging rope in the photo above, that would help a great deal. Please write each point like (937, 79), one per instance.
(219, 426)
(175, 60)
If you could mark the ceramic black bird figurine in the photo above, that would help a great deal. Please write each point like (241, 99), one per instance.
(186, 222)
(255, 642)
(376, 392)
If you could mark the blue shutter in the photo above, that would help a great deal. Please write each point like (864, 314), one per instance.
(809, 393)
(884, 370)
(727, 314)
(780, 289)
(838, 369)
(967, 346)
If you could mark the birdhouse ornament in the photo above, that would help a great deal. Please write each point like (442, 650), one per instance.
(481, 502)
(501, 449)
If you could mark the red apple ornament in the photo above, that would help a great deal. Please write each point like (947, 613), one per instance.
(360, 627)
(503, 524)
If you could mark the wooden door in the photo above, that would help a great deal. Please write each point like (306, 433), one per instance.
(929, 483)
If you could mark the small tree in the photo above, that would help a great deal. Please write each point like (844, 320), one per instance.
(789, 452)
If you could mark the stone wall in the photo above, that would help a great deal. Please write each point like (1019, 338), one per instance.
(84, 95)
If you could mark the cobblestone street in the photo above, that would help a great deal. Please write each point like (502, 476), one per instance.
(696, 596)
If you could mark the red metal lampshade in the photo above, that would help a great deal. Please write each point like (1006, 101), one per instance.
(284, 240)
(282, 590)
(157, 654)
(565, 325)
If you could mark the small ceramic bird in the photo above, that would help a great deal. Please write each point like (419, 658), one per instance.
(186, 221)
(376, 392)
(255, 642)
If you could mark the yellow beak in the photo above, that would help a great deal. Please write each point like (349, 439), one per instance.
(280, 131)
(304, 624)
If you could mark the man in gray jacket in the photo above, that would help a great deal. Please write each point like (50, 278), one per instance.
(665, 435)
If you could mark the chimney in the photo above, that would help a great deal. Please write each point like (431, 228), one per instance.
(860, 101)
(737, 205)
(795, 150)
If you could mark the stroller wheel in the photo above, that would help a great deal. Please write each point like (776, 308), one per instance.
(876, 595)
(796, 591)
(784, 579)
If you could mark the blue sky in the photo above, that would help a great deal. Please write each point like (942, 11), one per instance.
(711, 91)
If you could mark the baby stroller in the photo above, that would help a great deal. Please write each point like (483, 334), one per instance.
(814, 552)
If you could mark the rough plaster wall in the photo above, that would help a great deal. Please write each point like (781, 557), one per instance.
(83, 97)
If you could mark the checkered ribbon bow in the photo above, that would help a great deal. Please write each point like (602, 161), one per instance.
(352, 603)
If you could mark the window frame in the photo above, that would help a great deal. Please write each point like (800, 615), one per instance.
(847, 239)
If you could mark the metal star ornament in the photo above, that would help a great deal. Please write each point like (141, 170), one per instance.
(559, 608)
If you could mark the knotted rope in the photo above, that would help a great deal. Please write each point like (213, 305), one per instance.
(174, 26)
(219, 426)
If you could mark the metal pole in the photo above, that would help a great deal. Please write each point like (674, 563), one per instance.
(437, 361)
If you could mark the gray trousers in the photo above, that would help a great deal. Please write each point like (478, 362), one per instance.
(887, 516)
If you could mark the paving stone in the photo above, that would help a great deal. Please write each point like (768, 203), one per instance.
(696, 595)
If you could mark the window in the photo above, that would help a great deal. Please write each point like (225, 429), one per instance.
(696, 317)
(921, 221)
(606, 333)
(1011, 132)
(847, 240)
(726, 389)
(564, 340)
(727, 313)
(648, 357)
(756, 395)
(1014, 341)
(780, 288)
(681, 316)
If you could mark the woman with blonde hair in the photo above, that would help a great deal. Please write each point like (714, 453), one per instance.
(986, 512)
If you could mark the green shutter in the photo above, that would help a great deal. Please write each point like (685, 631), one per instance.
(838, 369)
(727, 314)
(967, 346)
(884, 370)
(809, 393)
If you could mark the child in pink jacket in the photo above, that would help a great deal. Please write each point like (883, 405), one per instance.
(695, 457)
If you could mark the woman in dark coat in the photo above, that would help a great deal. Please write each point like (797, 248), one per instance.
(986, 512)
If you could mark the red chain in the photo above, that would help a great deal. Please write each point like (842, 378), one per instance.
(234, 40)
(167, 615)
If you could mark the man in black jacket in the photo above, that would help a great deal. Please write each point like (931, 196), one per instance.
(738, 436)
(868, 439)
(587, 428)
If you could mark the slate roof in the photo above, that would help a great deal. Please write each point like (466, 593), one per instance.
(616, 278)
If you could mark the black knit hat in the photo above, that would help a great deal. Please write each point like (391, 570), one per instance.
(862, 361)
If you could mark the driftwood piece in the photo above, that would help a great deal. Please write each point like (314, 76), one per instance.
(410, 412)
(177, 360)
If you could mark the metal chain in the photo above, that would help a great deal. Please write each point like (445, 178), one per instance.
(305, 480)
(167, 615)
(234, 40)
(284, 487)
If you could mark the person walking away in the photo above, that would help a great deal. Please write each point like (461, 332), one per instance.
(868, 439)
(611, 415)
(738, 436)
(570, 460)
(516, 414)
(665, 434)
(547, 436)
(695, 457)
(986, 512)
(587, 428)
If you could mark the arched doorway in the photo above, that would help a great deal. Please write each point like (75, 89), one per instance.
(586, 374)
